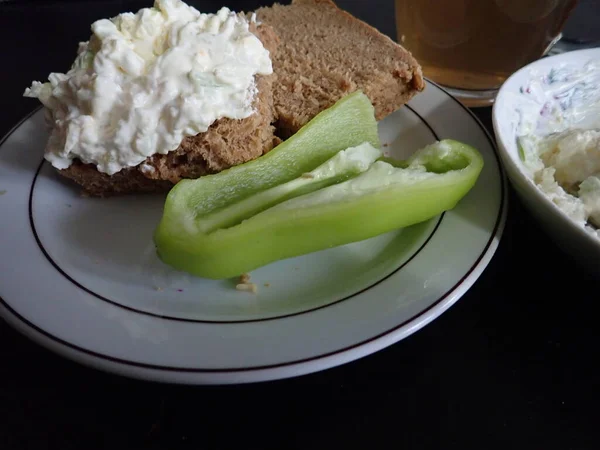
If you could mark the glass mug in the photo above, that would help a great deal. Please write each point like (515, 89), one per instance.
(472, 46)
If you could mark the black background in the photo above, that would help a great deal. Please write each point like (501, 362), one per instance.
(511, 365)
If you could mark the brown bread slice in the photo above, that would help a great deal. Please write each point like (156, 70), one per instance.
(320, 53)
(226, 143)
(326, 53)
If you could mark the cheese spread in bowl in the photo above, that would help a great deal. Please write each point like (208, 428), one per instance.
(145, 81)
(547, 123)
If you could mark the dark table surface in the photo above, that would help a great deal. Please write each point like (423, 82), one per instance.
(511, 365)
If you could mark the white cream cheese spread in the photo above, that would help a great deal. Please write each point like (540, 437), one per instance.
(559, 139)
(145, 81)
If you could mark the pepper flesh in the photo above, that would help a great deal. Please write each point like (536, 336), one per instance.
(342, 166)
(380, 199)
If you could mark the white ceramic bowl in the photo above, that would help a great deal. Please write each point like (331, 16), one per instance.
(568, 235)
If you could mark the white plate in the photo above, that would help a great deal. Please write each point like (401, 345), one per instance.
(79, 275)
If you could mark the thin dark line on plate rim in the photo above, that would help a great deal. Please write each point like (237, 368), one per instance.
(454, 88)
(101, 297)
(497, 226)
(18, 124)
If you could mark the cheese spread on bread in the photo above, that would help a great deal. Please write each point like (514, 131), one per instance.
(145, 81)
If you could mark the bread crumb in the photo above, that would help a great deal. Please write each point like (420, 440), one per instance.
(244, 278)
(3, 191)
(247, 287)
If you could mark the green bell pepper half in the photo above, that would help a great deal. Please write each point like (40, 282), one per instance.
(361, 201)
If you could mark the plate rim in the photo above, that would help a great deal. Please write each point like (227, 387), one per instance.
(349, 353)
